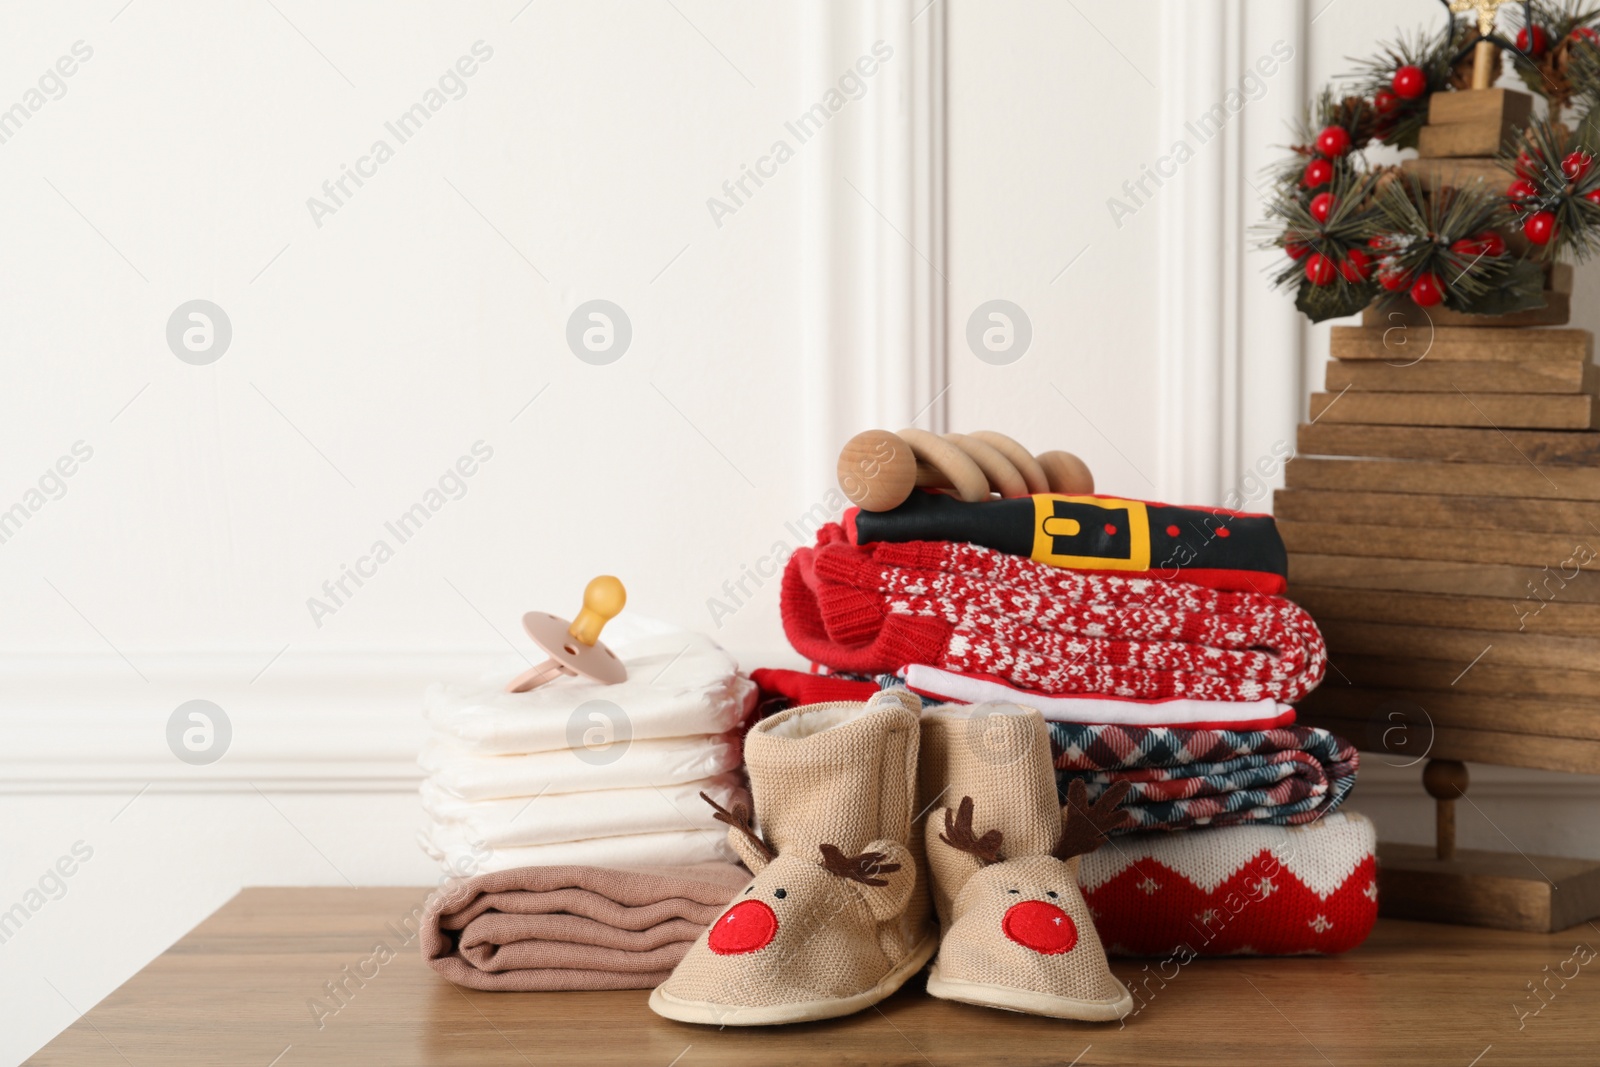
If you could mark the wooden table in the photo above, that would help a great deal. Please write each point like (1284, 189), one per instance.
(238, 990)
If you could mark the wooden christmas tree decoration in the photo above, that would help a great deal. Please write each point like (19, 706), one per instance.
(1443, 523)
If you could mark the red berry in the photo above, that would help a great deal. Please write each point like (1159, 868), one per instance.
(1384, 102)
(1540, 227)
(1319, 269)
(1540, 40)
(1526, 167)
(1409, 82)
(1322, 206)
(1576, 165)
(1393, 278)
(1356, 266)
(1427, 290)
(1487, 243)
(1593, 196)
(1378, 241)
(1585, 33)
(1318, 172)
(1519, 190)
(1297, 252)
(1333, 141)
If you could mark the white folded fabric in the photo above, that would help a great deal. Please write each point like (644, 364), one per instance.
(620, 765)
(671, 849)
(1120, 711)
(679, 683)
(564, 817)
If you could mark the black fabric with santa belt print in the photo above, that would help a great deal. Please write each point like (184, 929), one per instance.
(1207, 546)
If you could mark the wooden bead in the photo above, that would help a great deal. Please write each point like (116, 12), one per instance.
(1021, 458)
(1445, 779)
(877, 470)
(963, 475)
(1004, 478)
(1067, 473)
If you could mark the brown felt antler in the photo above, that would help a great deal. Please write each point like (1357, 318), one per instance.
(1083, 825)
(857, 868)
(739, 819)
(958, 834)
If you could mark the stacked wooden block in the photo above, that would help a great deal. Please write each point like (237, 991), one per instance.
(1472, 125)
(1464, 135)
(1443, 511)
(1443, 523)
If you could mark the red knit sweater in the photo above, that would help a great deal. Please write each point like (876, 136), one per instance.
(974, 610)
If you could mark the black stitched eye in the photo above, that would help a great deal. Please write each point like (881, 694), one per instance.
(1051, 893)
(747, 892)
(780, 893)
(1010, 890)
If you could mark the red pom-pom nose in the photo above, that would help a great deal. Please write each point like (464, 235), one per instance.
(747, 926)
(1042, 927)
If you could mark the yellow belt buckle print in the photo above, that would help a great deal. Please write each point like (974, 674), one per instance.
(1091, 532)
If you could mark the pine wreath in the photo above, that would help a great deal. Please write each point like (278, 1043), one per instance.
(1356, 233)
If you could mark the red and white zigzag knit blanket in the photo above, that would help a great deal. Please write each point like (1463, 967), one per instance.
(977, 611)
(1236, 890)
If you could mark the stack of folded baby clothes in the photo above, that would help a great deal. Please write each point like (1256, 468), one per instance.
(576, 772)
(1154, 639)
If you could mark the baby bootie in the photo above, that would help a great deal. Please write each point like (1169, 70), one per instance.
(1003, 862)
(837, 916)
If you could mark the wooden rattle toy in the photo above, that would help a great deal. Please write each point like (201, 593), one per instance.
(878, 470)
(575, 649)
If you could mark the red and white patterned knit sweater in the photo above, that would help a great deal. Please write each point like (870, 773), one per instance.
(1236, 890)
(973, 610)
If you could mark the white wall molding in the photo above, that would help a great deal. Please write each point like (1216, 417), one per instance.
(1192, 284)
(308, 723)
(873, 232)
(330, 723)
(1270, 385)
(1231, 384)
(229, 776)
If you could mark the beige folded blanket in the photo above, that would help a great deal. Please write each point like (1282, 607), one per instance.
(573, 927)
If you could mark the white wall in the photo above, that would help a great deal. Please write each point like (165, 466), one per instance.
(375, 350)
(422, 316)
(1046, 121)
(367, 355)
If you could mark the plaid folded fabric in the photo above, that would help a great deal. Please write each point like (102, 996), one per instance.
(1184, 778)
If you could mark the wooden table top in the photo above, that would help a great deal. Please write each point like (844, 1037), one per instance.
(239, 988)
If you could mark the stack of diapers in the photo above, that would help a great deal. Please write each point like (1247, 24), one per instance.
(575, 772)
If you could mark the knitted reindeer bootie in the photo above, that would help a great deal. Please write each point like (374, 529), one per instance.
(1003, 860)
(837, 916)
